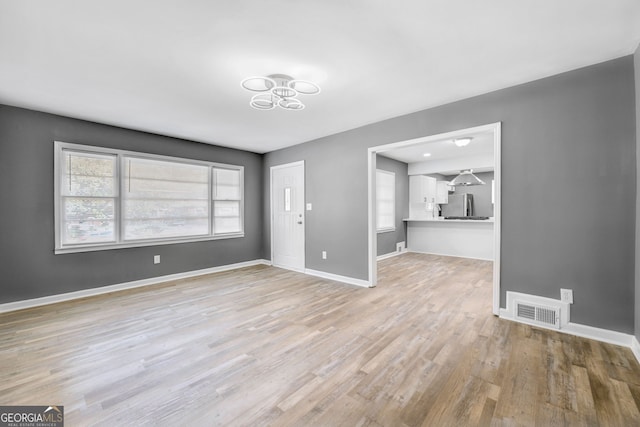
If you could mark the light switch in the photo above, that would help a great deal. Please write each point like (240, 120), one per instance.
(308, 206)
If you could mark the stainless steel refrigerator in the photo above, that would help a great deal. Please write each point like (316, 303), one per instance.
(459, 205)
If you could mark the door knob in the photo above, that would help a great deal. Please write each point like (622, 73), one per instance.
(299, 222)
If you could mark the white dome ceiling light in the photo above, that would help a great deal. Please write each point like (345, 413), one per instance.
(278, 90)
(462, 142)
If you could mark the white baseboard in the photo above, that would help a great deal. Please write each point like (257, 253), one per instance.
(584, 331)
(604, 335)
(20, 305)
(635, 348)
(338, 278)
(449, 255)
(390, 255)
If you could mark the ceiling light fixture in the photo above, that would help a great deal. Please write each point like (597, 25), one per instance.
(278, 90)
(462, 142)
(427, 154)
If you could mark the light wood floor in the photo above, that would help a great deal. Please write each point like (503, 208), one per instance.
(265, 346)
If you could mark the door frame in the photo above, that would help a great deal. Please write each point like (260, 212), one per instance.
(304, 218)
(496, 128)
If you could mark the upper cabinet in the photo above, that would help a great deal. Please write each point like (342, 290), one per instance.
(422, 196)
(442, 192)
(422, 189)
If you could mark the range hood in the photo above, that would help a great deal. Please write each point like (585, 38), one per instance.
(466, 178)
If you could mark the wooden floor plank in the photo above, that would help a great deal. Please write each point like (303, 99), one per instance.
(266, 346)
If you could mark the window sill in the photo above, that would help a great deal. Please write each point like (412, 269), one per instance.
(142, 243)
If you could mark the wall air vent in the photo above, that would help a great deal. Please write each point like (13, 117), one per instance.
(536, 310)
(549, 316)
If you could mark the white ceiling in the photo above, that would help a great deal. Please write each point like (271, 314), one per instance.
(174, 67)
(445, 149)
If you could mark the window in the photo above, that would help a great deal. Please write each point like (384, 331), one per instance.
(108, 199)
(88, 194)
(164, 199)
(385, 201)
(226, 201)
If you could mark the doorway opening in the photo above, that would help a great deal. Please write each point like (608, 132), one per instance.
(494, 132)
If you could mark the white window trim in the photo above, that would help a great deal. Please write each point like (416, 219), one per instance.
(387, 229)
(60, 146)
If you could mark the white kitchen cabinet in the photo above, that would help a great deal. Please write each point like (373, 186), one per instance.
(422, 189)
(422, 196)
(442, 192)
(432, 189)
(417, 189)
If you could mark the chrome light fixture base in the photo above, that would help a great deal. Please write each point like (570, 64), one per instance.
(278, 90)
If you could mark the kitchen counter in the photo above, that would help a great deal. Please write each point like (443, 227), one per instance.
(440, 219)
(467, 238)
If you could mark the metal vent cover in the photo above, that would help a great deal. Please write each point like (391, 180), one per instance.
(539, 314)
(526, 311)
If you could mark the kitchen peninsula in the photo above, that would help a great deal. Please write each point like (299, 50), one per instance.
(466, 238)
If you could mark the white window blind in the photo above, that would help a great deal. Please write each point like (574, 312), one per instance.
(108, 198)
(88, 198)
(227, 197)
(164, 199)
(385, 200)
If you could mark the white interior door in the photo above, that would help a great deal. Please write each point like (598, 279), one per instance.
(287, 216)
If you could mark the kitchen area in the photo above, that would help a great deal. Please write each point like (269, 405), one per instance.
(451, 196)
(451, 215)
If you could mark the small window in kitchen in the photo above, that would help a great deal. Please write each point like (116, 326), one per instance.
(385, 201)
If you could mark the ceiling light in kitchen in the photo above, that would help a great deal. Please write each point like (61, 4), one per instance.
(462, 142)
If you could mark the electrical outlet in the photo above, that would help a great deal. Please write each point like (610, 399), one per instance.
(156, 259)
(324, 254)
(566, 295)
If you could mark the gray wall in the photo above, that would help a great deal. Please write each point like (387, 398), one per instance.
(567, 225)
(387, 240)
(338, 222)
(636, 58)
(27, 261)
(482, 205)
